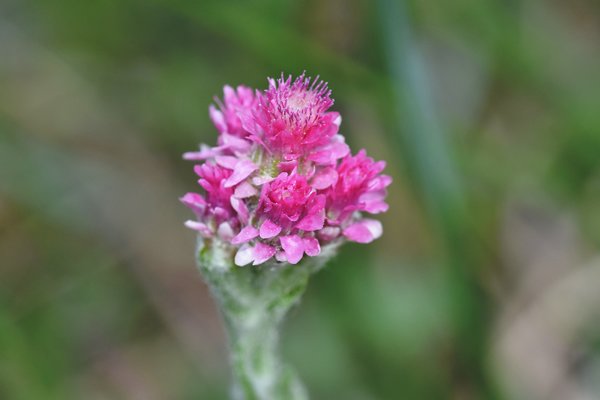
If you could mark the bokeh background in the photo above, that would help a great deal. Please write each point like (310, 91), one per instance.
(485, 285)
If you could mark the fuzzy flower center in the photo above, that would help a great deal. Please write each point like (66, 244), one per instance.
(299, 101)
(301, 104)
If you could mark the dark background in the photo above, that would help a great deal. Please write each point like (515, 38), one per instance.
(485, 284)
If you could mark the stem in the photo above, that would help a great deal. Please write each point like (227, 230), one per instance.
(254, 302)
(254, 341)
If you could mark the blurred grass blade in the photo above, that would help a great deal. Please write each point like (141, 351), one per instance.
(422, 136)
(433, 170)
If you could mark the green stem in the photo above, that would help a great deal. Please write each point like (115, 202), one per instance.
(254, 301)
(258, 370)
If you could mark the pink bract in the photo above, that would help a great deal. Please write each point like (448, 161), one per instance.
(281, 182)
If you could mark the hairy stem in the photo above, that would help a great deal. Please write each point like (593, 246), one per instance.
(253, 332)
(254, 302)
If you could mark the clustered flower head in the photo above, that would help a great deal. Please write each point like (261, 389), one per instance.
(281, 182)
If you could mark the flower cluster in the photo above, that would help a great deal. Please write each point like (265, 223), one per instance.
(281, 181)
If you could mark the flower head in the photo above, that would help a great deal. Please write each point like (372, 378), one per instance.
(281, 182)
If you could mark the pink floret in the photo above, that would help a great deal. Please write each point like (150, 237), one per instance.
(212, 179)
(292, 120)
(290, 202)
(359, 187)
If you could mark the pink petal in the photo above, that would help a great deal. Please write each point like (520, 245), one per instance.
(312, 222)
(199, 170)
(321, 157)
(280, 256)
(364, 231)
(262, 252)
(217, 118)
(240, 207)
(377, 195)
(339, 149)
(244, 256)
(329, 233)
(202, 229)
(317, 204)
(311, 246)
(338, 119)
(261, 180)
(372, 202)
(288, 166)
(379, 166)
(332, 121)
(204, 153)
(194, 201)
(229, 94)
(228, 162)
(234, 142)
(220, 212)
(329, 153)
(309, 170)
(245, 94)
(244, 190)
(246, 234)
(316, 215)
(225, 231)
(380, 182)
(241, 171)
(269, 229)
(249, 123)
(293, 246)
(325, 178)
(376, 207)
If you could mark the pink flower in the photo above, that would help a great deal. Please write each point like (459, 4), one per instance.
(359, 187)
(215, 207)
(292, 121)
(289, 202)
(288, 209)
(280, 183)
(213, 180)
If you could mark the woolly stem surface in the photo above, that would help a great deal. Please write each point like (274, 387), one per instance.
(254, 301)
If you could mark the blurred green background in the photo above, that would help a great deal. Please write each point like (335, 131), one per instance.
(485, 285)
